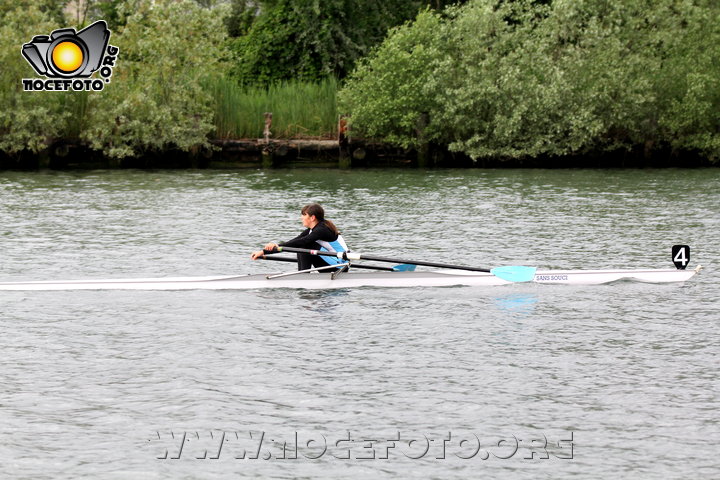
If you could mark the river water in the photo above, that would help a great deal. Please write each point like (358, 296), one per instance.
(522, 381)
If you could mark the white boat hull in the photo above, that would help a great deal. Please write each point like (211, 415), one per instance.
(353, 280)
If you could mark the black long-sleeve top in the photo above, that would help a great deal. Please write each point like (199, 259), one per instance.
(308, 238)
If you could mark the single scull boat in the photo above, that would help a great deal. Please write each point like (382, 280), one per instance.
(333, 277)
(322, 280)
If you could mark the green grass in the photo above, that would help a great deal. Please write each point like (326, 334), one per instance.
(300, 109)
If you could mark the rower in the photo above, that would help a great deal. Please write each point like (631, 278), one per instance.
(319, 234)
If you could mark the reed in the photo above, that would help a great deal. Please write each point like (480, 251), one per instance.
(76, 105)
(300, 109)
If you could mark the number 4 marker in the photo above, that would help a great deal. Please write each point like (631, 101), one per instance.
(681, 256)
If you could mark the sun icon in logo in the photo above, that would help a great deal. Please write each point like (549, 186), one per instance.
(67, 56)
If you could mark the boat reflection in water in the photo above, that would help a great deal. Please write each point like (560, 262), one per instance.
(522, 304)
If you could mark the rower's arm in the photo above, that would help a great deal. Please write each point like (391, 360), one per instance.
(300, 241)
(307, 239)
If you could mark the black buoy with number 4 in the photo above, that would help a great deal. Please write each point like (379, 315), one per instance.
(681, 256)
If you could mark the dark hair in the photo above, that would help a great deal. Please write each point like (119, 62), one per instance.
(319, 213)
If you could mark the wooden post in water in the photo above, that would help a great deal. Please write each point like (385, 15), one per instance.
(268, 124)
(345, 160)
(423, 148)
(43, 157)
(267, 158)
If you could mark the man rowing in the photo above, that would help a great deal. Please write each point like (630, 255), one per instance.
(319, 234)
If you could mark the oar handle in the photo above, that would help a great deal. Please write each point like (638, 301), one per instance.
(324, 253)
(358, 256)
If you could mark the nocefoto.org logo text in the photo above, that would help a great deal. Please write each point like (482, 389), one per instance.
(68, 59)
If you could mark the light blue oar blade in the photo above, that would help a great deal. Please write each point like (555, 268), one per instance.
(405, 267)
(515, 273)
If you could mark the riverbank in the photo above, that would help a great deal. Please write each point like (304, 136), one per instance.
(313, 153)
(223, 154)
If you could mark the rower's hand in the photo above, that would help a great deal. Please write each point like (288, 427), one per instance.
(270, 246)
(261, 253)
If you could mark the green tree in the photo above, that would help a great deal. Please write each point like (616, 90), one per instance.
(28, 120)
(389, 91)
(690, 80)
(108, 10)
(497, 87)
(156, 99)
(241, 17)
(311, 39)
(527, 78)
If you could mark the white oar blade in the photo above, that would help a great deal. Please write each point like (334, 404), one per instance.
(515, 273)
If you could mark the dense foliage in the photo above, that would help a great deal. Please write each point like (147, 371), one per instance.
(523, 79)
(309, 39)
(27, 121)
(489, 78)
(172, 88)
(155, 100)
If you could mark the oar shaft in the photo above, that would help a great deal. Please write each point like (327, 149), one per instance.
(358, 256)
(424, 264)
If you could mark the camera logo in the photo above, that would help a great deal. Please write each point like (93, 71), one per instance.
(68, 59)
